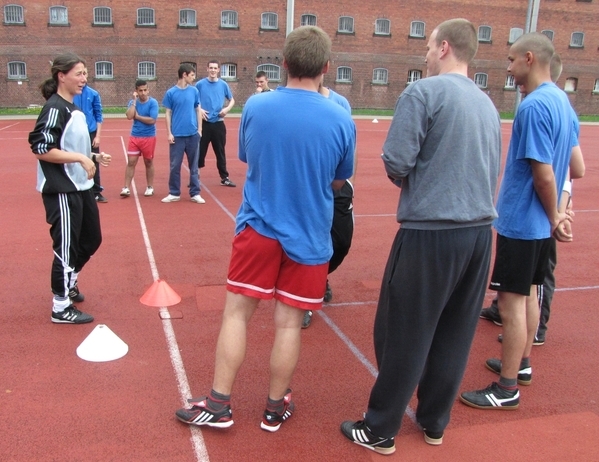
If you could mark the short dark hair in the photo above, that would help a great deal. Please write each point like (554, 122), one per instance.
(306, 52)
(185, 68)
(140, 83)
(461, 35)
(213, 61)
(261, 74)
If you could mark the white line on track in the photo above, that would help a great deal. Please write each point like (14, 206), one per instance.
(197, 440)
(8, 126)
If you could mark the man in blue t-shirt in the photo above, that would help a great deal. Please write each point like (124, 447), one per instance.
(143, 110)
(214, 92)
(183, 113)
(527, 205)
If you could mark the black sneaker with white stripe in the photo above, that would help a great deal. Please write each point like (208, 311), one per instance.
(360, 434)
(201, 414)
(492, 397)
(71, 315)
(75, 295)
(272, 420)
(524, 374)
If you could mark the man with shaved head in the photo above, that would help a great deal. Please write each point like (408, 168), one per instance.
(534, 176)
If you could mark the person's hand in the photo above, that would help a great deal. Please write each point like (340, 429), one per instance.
(171, 138)
(204, 114)
(103, 159)
(88, 165)
(135, 96)
(96, 142)
(563, 233)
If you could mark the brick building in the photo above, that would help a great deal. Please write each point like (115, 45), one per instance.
(378, 47)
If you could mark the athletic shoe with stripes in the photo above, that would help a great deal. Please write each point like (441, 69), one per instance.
(360, 434)
(492, 397)
(524, 375)
(272, 420)
(71, 315)
(200, 414)
(75, 295)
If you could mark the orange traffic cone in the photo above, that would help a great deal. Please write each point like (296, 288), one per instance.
(160, 294)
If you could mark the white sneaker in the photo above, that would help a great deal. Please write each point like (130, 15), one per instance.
(171, 198)
(149, 191)
(198, 199)
(125, 192)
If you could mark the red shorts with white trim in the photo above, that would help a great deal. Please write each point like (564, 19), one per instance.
(143, 146)
(260, 268)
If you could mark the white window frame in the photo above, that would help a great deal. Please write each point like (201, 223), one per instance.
(14, 14)
(146, 17)
(380, 76)
(414, 75)
(228, 71)
(345, 25)
(101, 13)
(577, 40)
(596, 87)
(273, 71)
(104, 70)
(415, 29)
(269, 21)
(59, 15)
(485, 33)
(481, 79)
(229, 19)
(188, 17)
(344, 74)
(146, 70)
(548, 33)
(382, 26)
(515, 34)
(510, 82)
(18, 71)
(308, 20)
(571, 85)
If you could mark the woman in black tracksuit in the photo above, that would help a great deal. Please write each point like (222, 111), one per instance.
(64, 177)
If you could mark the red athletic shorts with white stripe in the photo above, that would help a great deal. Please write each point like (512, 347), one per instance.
(142, 146)
(260, 268)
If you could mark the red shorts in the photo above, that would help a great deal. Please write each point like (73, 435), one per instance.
(143, 146)
(260, 268)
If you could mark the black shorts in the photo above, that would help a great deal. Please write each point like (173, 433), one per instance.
(519, 264)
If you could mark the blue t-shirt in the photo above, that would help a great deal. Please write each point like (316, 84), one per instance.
(293, 156)
(183, 103)
(212, 97)
(340, 100)
(543, 131)
(147, 109)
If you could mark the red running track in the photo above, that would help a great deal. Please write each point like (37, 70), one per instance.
(56, 407)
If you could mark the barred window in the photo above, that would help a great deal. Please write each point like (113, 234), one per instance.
(515, 33)
(17, 70)
(571, 84)
(228, 71)
(484, 34)
(414, 75)
(577, 40)
(102, 15)
(13, 14)
(228, 19)
(417, 29)
(380, 75)
(59, 15)
(104, 70)
(480, 79)
(187, 18)
(308, 20)
(344, 74)
(145, 17)
(346, 24)
(146, 70)
(510, 82)
(269, 21)
(273, 72)
(382, 27)
(548, 33)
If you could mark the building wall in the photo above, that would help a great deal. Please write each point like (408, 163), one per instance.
(124, 44)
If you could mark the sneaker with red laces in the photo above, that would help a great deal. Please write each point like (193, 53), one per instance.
(201, 414)
(272, 420)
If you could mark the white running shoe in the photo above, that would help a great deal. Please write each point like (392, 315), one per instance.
(171, 198)
(198, 199)
(149, 191)
(125, 192)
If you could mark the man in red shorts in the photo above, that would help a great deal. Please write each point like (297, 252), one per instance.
(143, 110)
(282, 245)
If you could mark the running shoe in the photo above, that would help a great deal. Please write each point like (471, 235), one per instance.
(492, 397)
(200, 414)
(125, 192)
(272, 420)
(360, 434)
(524, 375)
(71, 315)
(75, 295)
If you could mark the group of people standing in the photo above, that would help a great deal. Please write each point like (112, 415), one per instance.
(442, 153)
